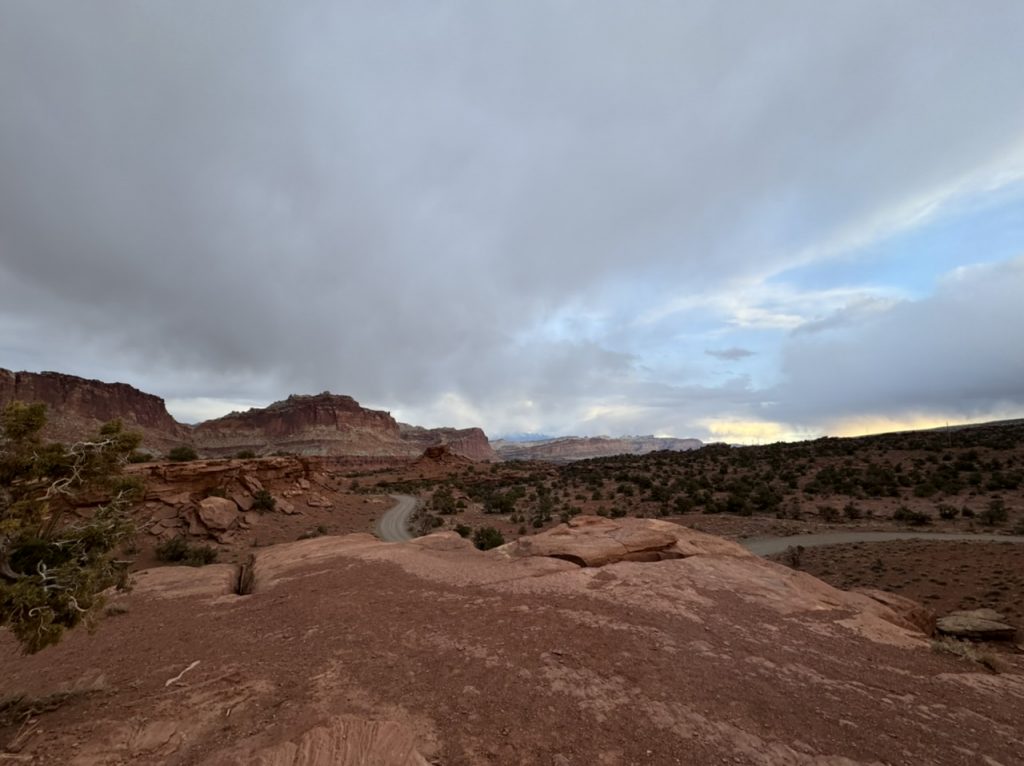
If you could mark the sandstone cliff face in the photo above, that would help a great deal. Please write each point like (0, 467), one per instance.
(467, 442)
(322, 424)
(330, 424)
(76, 407)
(570, 448)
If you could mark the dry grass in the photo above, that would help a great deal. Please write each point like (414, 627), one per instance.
(967, 651)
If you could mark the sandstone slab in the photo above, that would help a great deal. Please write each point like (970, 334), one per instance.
(976, 625)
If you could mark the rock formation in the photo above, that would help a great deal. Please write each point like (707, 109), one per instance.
(322, 424)
(76, 407)
(352, 651)
(329, 424)
(570, 448)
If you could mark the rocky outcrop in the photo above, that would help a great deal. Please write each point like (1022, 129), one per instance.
(467, 442)
(570, 448)
(351, 651)
(593, 541)
(323, 424)
(76, 407)
(976, 625)
(330, 424)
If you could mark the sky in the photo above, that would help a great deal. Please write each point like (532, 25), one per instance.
(737, 221)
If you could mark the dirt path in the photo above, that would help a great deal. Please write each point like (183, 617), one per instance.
(768, 546)
(394, 524)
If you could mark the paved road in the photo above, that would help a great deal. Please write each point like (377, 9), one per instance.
(394, 524)
(767, 546)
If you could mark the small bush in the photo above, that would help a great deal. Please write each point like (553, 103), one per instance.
(182, 454)
(245, 454)
(178, 551)
(263, 501)
(139, 457)
(486, 538)
(914, 518)
(995, 513)
(464, 530)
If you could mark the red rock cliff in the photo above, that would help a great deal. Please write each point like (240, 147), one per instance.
(330, 424)
(76, 407)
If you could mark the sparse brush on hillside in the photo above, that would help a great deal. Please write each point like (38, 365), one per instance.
(182, 454)
(54, 566)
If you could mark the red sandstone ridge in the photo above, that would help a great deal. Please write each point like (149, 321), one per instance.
(76, 407)
(628, 641)
(323, 424)
(330, 424)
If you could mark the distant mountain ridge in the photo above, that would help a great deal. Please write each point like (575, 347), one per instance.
(566, 449)
(319, 424)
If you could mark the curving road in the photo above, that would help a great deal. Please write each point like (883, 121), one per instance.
(767, 546)
(394, 524)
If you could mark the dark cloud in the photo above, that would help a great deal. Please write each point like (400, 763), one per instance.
(729, 354)
(954, 353)
(239, 200)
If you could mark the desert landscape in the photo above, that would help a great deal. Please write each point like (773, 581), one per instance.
(519, 383)
(455, 608)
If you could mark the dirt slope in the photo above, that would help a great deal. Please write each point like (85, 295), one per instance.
(351, 650)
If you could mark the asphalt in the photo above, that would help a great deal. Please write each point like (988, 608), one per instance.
(394, 524)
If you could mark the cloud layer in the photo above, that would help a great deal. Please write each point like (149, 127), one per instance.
(463, 212)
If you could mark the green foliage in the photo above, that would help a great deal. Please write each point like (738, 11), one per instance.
(245, 454)
(54, 566)
(139, 457)
(182, 454)
(995, 513)
(178, 551)
(263, 501)
(464, 530)
(486, 538)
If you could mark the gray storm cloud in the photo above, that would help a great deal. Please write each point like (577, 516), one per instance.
(240, 200)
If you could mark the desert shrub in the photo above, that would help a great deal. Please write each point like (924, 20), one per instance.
(914, 518)
(486, 538)
(178, 551)
(443, 501)
(182, 454)
(995, 513)
(852, 511)
(827, 513)
(54, 570)
(215, 492)
(139, 457)
(464, 530)
(245, 454)
(793, 556)
(263, 501)
(947, 512)
(966, 650)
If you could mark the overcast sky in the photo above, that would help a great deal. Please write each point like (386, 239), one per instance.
(727, 219)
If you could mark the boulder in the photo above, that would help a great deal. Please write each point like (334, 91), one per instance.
(593, 541)
(976, 625)
(318, 501)
(251, 483)
(242, 499)
(217, 513)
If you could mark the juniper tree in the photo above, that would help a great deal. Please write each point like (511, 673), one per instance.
(55, 563)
